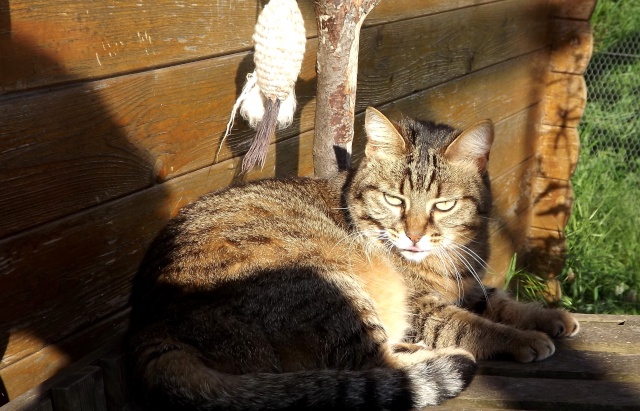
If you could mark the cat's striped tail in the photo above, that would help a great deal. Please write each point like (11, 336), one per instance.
(178, 380)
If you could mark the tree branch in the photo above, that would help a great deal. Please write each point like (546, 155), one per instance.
(339, 23)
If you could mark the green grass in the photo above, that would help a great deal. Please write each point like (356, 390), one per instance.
(523, 285)
(602, 274)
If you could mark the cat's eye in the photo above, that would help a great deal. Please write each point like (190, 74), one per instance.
(393, 200)
(445, 205)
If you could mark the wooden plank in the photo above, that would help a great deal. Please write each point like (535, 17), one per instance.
(571, 47)
(488, 93)
(392, 64)
(45, 405)
(91, 39)
(509, 238)
(510, 219)
(548, 394)
(552, 203)
(388, 11)
(547, 251)
(35, 401)
(83, 391)
(565, 101)
(619, 319)
(515, 140)
(571, 364)
(101, 140)
(557, 152)
(114, 373)
(512, 191)
(605, 337)
(80, 349)
(113, 237)
(81, 146)
(95, 39)
(572, 9)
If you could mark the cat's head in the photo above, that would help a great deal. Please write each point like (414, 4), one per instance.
(422, 188)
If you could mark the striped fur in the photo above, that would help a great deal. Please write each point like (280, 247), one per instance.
(358, 292)
(410, 173)
(261, 297)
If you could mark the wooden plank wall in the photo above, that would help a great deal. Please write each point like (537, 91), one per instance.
(111, 114)
(558, 145)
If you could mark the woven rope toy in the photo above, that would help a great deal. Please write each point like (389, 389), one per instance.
(268, 99)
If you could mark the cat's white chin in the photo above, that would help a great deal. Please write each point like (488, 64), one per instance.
(415, 256)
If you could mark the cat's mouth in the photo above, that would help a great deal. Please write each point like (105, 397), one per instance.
(413, 249)
(413, 253)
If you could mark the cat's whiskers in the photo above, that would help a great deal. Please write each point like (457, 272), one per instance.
(372, 239)
(455, 247)
(442, 251)
(473, 255)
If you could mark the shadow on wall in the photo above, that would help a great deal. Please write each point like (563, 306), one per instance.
(65, 264)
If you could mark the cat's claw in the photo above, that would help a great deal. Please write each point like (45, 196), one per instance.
(558, 324)
(532, 346)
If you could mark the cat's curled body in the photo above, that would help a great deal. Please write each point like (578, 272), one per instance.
(314, 294)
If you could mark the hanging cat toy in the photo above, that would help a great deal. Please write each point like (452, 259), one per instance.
(268, 99)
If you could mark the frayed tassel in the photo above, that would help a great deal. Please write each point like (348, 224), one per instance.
(287, 110)
(250, 89)
(252, 108)
(257, 153)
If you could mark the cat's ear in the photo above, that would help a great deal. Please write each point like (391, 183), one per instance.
(383, 140)
(472, 146)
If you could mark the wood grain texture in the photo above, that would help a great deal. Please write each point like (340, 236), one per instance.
(495, 92)
(557, 152)
(83, 145)
(572, 9)
(510, 219)
(572, 364)
(595, 370)
(114, 373)
(93, 169)
(388, 11)
(572, 46)
(508, 238)
(546, 394)
(606, 337)
(445, 46)
(547, 251)
(113, 237)
(552, 203)
(66, 41)
(565, 101)
(82, 391)
(339, 26)
(78, 349)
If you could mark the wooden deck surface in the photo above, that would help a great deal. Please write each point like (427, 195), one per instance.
(599, 369)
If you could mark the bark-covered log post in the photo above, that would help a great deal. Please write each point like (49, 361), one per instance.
(339, 23)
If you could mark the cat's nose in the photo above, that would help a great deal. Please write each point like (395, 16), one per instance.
(415, 236)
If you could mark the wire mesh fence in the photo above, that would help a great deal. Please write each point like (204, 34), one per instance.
(602, 272)
(612, 116)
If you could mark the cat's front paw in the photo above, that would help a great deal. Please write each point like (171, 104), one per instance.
(530, 346)
(558, 323)
(440, 374)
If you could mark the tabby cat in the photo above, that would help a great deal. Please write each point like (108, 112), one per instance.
(359, 292)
